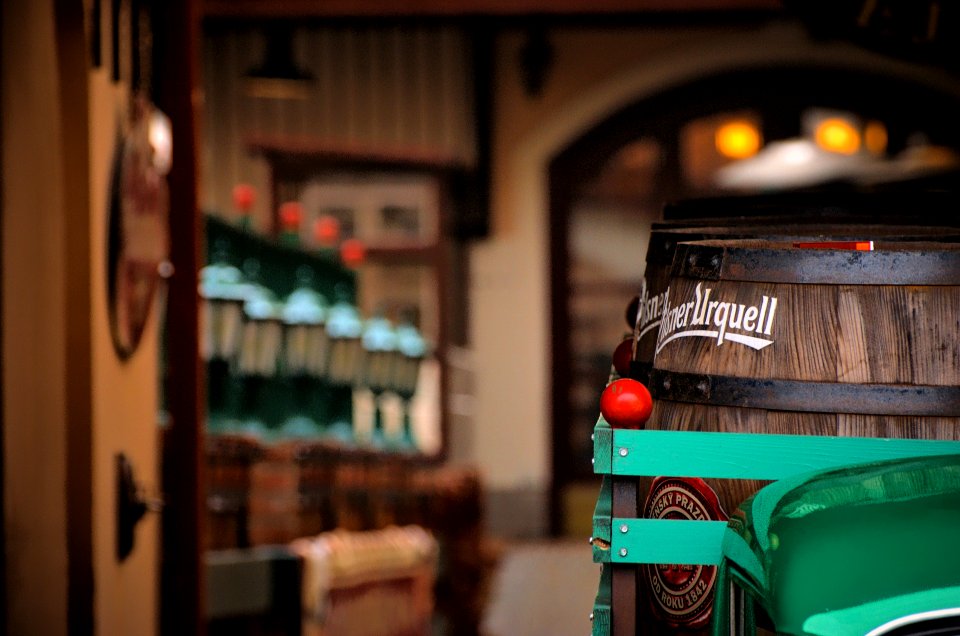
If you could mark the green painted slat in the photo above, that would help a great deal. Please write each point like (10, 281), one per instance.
(601, 522)
(601, 621)
(602, 443)
(602, 605)
(600, 551)
(680, 541)
(754, 455)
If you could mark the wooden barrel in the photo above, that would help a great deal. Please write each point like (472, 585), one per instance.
(763, 337)
(663, 245)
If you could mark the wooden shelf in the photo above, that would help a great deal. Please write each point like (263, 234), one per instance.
(301, 157)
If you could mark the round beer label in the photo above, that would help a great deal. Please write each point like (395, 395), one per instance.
(681, 595)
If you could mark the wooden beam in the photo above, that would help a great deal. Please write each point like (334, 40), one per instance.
(182, 591)
(310, 153)
(452, 8)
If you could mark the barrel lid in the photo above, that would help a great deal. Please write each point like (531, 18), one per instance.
(664, 241)
(890, 263)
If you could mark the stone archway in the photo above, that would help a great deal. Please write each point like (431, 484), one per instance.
(526, 187)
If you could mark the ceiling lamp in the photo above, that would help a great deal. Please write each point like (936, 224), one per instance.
(875, 137)
(278, 76)
(837, 134)
(737, 139)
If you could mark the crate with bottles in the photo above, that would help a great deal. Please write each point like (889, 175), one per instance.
(287, 351)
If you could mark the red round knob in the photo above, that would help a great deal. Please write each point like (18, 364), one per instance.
(352, 252)
(626, 403)
(291, 213)
(326, 230)
(243, 197)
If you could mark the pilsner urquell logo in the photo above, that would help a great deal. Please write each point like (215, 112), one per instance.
(649, 310)
(717, 319)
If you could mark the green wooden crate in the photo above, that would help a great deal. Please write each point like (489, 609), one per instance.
(625, 453)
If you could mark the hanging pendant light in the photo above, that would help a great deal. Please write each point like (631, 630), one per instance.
(278, 76)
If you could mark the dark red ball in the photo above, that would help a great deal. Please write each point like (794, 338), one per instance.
(622, 356)
(631, 315)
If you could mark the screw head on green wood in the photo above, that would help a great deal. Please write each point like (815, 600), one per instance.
(623, 552)
(623, 452)
(624, 528)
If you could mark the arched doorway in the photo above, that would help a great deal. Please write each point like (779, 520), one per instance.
(610, 183)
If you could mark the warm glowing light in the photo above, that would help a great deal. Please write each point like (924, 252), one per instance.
(161, 140)
(795, 152)
(737, 139)
(875, 137)
(838, 135)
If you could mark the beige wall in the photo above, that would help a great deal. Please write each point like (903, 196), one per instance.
(510, 320)
(124, 404)
(69, 403)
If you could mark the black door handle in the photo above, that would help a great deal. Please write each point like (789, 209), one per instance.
(132, 505)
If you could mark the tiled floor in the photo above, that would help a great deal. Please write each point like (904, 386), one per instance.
(543, 589)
